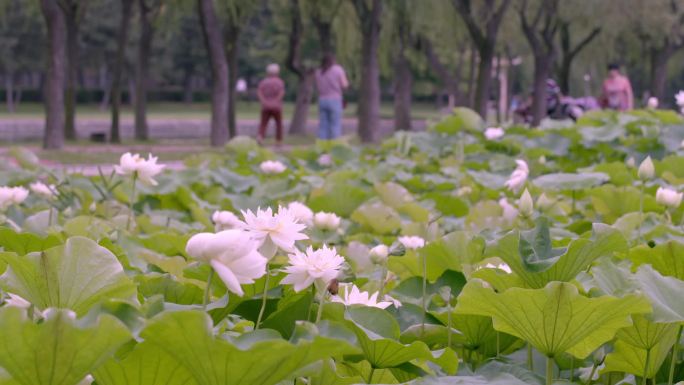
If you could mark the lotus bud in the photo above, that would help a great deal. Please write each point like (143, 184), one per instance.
(646, 169)
(631, 163)
(379, 254)
(526, 205)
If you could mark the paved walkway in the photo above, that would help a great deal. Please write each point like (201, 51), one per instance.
(25, 129)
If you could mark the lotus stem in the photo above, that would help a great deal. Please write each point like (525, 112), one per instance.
(263, 299)
(422, 326)
(207, 290)
(549, 370)
(641, 211)
(131, 202)
(449, 321)
(498, 344)
(644, 379)
(530, 363)
(383, 275)
(313, 297)
(572, 368)
(591, 374)
(370, 376)
(320, 307)
(673, 362)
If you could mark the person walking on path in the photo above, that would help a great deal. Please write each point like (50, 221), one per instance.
(331, 81)
(270, 92)
(617, 90)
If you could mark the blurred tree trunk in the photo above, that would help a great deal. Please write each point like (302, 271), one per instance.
(74, 10)
(484, 39)
(55, 73)
(540, 33)
(119, 62)
(9, 91)
(660, 57)
(304, 75)
(471, 78)
(403, 82)
(188, 88)
(450, 81)
(568, 53)
(220, 93)
(232, 53)
(369, 89)
(148, 13)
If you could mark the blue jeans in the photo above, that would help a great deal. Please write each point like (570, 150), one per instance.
(329, 118)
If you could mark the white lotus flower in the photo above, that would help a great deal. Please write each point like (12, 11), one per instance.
(358, 297)
(325, 160)
(518, 177)
(494, 133)
(379, 254)
(320, 267)
(301, 212)
(542, 159)
(509, 212)
(326, 221)
(463, 191)
(681, 145)
(12, 196)
(232, 254)
(412, 242)
(679, 97)
(225, 220)
(545, 203)
(631, 162)
(526, 205)
(272, 167)
(646, 169)
(395, 302)
(144, 169)
(669, 197)
(280, 230)
(652, 103)
(46, 191)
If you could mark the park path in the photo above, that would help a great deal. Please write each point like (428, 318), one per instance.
(29, 128)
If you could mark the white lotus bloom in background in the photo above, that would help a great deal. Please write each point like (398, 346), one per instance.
(526, 204)
(144, 169)
(584, 373)
(326, 221)
(395, 302)
(463, 191)
(679, 97)
(412, 242)
(646, 169)
(301, 212)
(669, 197)
(509, 212)
(272, 167)
(542, 159)
(354, 296)
(652, 103)
(46, 191)
(518, 176)
(681, 145)
(325, 160)
(313, 266)
(12, 196)
(274, 230)
(545, 203)
(379, 254)
(14, 300)
(494, 133)
(631, 162)
(232, 254)
(225, 220)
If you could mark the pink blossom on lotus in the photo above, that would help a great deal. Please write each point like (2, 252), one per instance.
(312, 267)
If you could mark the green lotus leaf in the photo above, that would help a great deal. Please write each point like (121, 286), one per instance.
(146, 364)
(555, 319)
(188, 339)
(76, 276)
(667, 258)
(631, 359)
(579, 254)
(58, 351)
(378, 335)
(24, 243)
(564, 181)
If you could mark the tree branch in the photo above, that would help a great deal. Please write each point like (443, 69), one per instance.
(584, 42)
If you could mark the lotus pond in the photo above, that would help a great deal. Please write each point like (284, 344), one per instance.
(540, 256)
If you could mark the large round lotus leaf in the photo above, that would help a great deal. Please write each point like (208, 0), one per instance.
(462, 119)
(566, 181)
(242, 144)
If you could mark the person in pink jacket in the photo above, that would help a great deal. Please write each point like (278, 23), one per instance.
(617, 90)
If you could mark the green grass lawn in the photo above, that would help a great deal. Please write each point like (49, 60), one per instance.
(246, 110)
